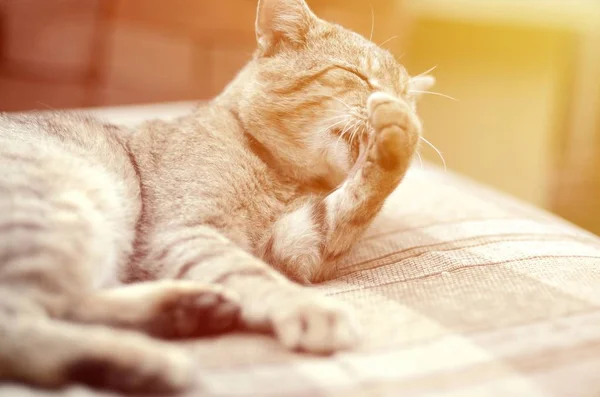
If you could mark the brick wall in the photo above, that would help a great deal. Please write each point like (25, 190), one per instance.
(45, 52)
(77, 53)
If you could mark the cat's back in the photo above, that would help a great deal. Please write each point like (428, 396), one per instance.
(54, 162)
(66, 135)
(67, 143)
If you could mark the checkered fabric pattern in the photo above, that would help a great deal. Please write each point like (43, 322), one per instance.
(462, 292)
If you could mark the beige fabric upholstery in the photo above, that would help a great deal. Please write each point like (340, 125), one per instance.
(462, 291)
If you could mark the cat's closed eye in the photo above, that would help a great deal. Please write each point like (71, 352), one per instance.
(357, 73)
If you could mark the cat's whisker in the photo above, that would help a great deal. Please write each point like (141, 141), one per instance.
(339, 120)
(333, 125)
(354, 131)
(431, 69)
(360, 116)
(339, 116)
(334, 110)
(437, 151)
(347, 128)
(350, 129)
(351, 133)
(433, 93)
(388, 40)
(352, 112)
(372, 22)
(46, 105)
(342, 133)
(340, 101)
(337, 142)
(420, 159)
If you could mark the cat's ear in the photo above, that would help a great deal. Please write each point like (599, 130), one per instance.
(421, 83)
(282, 22)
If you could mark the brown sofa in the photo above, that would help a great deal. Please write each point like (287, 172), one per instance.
(462, 290)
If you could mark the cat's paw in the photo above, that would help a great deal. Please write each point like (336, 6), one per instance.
(396, 128)
(315, 324)
(188, 309)
(132, 364)
(167, 309)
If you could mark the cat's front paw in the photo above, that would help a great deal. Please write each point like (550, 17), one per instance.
(169, 309)
(315, 324)
(189, 309)
(396, 128)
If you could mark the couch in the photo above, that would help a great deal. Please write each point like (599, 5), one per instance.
(462, 290)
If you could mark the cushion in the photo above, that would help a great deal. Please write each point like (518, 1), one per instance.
(462, 291)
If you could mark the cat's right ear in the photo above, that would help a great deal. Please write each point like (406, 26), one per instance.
(282, 23)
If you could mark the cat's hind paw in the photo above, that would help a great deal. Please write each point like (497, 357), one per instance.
(131, 364)
(51, 353)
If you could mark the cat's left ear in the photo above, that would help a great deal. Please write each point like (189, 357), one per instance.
(282, 22)
(418, 84)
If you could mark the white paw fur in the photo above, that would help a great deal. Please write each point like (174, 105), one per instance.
(316, 324)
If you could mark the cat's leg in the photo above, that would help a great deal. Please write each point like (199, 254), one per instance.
(168, 309)
(39, 346)
(305, 241)
(62, 227)
(50, 353)
(44, 274)
(301, 319)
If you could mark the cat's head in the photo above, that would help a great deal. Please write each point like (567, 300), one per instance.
(304, 94)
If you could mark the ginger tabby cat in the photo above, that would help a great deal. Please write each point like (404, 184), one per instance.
(112, 238)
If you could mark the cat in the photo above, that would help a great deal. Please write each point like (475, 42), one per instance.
(113, 238)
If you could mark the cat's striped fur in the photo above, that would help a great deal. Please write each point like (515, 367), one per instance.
(186, 228)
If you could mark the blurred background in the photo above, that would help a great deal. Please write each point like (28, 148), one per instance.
(525, 74)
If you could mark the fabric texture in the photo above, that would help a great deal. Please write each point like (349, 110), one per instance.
(462, 291)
